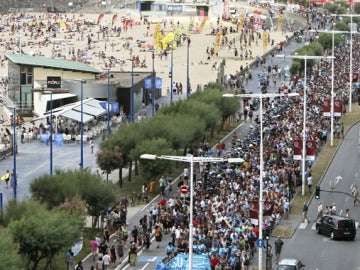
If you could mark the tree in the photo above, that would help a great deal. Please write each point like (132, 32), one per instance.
(154, 168)
(63, 187)
(40, 234)
(109, 159)
(9, 258)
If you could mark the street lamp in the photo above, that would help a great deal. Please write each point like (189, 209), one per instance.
(191, 159)
(187, 69)
(153, 84)
(82, 123)
(108, 101)
(14, 150)
(51, 129)
(303, 158)
(333, 32)
(132, 92)
(351, 54)
(171, 69)
(261, 96)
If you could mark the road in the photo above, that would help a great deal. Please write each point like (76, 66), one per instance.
(318, 252)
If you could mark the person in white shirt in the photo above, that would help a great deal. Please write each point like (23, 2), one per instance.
(106, 261)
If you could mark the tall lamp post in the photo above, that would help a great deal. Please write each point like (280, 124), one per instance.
(303, 154)
(170, 45)
(333, 32)
(108, 102)
(351, 55)
(187, 68)
(261, 187)
(153, 84)
(82, 123)
(14, 151)
(191, 159)
(51, 129)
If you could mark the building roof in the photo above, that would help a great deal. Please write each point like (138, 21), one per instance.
(39, 61)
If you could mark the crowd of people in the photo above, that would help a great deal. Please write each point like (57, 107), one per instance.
(223, 229)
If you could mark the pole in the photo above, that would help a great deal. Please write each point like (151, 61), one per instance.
(191, 211)
(187, 69)
(51, 131)
(351, 69)
(108, 102)
(332, 95)
(153, 86)
(14, 149)
(82, 127)
(172, 75)
(1, 202)
(261, 182)
(132, 93)
(304, 133)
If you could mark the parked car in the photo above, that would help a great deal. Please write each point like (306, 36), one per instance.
(289, 264)
(336, 227)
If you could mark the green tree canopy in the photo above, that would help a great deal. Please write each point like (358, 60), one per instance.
(62, 187)
(40, 234)
(9, 258)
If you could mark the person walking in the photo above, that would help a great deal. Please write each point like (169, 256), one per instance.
(133, 254)
(309, 182)
(278, 246)
(355, 194)
(162, 185)
(319, 211)
(305, 210)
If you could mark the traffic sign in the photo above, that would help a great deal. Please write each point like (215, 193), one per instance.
(260, 243)
(184, 190)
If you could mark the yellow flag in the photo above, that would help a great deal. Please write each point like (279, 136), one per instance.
(5, 177)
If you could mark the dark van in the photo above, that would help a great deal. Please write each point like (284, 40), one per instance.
(336, 227)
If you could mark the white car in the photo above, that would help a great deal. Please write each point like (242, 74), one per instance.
(289, 264)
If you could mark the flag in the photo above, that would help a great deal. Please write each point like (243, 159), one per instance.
(6, 176)
(326, 107)
(127, 22)
(114, 19)
(58, 139)
(297, 149)
(101, 16)
(337, 107)
(44, 137)
(310, 149)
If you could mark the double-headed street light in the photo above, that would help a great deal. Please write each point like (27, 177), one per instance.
(191, 159)
(305, 58)
(351, 54)
(261, 200)
(333, 32)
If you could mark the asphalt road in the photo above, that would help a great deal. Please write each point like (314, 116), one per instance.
(318, 252)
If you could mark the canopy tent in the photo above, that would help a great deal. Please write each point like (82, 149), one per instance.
(91, 110)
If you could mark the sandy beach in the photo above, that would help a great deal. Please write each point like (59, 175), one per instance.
(79, 38)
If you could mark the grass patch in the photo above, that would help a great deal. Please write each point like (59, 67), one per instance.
(283, 231)
(324, 159)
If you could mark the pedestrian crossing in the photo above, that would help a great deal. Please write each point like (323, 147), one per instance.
(312, 225)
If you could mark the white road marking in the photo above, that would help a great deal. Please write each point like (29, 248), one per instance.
(313, 227)
(145, 266)
(153, 260)
(356, 224)
(303, 225)
(341, 211)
